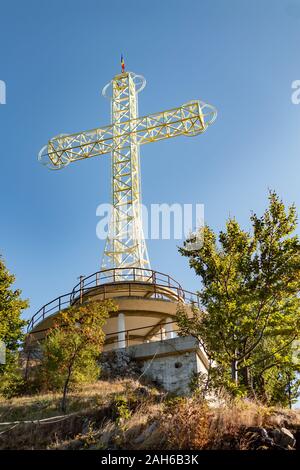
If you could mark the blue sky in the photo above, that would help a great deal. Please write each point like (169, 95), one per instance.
(55, 57)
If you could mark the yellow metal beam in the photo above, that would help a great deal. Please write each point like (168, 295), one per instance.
(125, 246)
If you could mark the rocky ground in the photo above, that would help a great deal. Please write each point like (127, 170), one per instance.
(125, 414)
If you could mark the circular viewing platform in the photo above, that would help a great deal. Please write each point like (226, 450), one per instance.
(147, 302)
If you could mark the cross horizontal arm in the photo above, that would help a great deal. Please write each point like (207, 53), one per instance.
(189, 119)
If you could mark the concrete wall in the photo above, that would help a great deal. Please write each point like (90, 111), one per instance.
(172, 373)
(171, 363)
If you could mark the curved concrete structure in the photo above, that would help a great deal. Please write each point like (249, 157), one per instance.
(146, 310)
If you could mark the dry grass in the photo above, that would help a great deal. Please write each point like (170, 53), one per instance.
(191, 424)
(151, 420)
(90, 409)
(46, 405)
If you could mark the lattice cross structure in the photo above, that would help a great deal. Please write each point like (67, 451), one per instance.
(125, 245)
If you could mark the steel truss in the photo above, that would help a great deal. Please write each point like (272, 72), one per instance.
(125, 246)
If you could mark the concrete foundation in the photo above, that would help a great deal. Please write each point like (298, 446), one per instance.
(170, 363)
(141, 336)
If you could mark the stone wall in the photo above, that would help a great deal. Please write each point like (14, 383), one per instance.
(169, 363)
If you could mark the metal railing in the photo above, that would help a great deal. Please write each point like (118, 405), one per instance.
(55, 305)
(117, 275)
(109, 278)
(159, 332)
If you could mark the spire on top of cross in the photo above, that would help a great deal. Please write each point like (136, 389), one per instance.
(122, 63)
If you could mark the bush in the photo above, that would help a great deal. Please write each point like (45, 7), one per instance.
(12, 382)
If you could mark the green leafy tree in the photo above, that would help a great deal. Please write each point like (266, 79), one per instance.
(71, 349)
(11, 331)
(250, 296)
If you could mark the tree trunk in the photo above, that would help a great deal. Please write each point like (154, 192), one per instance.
(245, 376)
(27, 365)
(290, 391)
(234, 371)
(64, 398)
(207, 382)
(247, 380)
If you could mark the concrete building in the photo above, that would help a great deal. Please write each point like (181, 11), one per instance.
(145, 322)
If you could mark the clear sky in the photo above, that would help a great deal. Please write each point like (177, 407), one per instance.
(55, 57)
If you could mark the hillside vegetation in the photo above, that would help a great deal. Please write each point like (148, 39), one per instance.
(124, 414)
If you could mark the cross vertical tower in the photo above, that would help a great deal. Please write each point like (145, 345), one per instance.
(125, 246)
